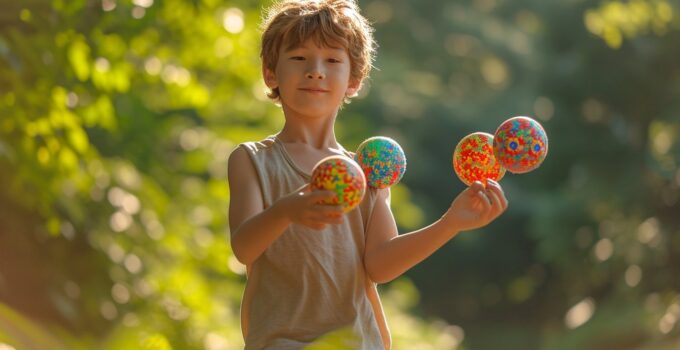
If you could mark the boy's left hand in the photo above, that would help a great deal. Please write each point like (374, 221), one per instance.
(476, 206)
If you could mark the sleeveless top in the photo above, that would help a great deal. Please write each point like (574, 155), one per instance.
(309, 284)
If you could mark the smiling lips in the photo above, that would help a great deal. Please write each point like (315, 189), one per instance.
(314, 90)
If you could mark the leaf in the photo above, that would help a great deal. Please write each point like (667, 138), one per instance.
(79, 57)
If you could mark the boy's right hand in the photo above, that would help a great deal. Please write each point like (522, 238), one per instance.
(305, 207)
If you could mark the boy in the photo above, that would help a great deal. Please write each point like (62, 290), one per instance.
(313, 270)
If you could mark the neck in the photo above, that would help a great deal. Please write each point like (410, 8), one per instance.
(318, 133)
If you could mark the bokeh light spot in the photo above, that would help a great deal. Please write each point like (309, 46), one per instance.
(580, 313)
(233, 21)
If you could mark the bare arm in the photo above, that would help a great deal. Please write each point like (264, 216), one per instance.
(388, 255)
(254, 228)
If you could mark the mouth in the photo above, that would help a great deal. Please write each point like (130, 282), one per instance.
(314, 90)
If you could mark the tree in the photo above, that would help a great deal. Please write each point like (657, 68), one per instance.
(117, 121)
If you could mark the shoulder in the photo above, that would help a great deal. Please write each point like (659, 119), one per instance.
(245, 154)
(238, 157)
(242, 173)
(251, 149)
(239, 167)
(266, 143)
(254, 147)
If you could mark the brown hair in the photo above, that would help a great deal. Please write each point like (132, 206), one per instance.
(334, 23)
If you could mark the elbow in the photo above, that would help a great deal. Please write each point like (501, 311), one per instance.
(377, 274)
(240, 253)
(380, 278)
(241, 257)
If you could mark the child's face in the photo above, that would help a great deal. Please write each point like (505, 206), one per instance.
(312, 80)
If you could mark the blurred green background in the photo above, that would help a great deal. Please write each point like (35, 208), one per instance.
(117, 118)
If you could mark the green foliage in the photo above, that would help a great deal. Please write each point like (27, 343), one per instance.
(614, 20)
(117, 117)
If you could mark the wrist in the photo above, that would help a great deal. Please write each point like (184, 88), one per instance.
(449, 224)
(281, 211)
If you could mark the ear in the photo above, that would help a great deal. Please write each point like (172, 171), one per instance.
(269, 78)
(353, 87)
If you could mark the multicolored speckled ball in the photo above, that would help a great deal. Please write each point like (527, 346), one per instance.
(520, 144)
(382, 160)
(473, 159)
(343, 176)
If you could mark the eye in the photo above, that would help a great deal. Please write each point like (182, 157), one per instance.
(334, 60)
(297, 58)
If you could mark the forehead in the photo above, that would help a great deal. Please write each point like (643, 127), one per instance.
(311, 44)
(312, 37)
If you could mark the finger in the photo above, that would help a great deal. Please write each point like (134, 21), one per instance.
(317, 226)
(322, 195)
(486, 202)
(498, 190)
(476, 186)
(494, 198)
(312, 222)
(496, 205)
(329, 210)
(476, 193)
(327, 217)
(333, 220)
(475, 189)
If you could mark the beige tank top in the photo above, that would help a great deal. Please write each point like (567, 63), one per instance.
(309, 284)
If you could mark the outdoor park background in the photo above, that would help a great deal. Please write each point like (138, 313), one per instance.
(117, 118)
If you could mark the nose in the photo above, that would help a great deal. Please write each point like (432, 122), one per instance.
(315, 71)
